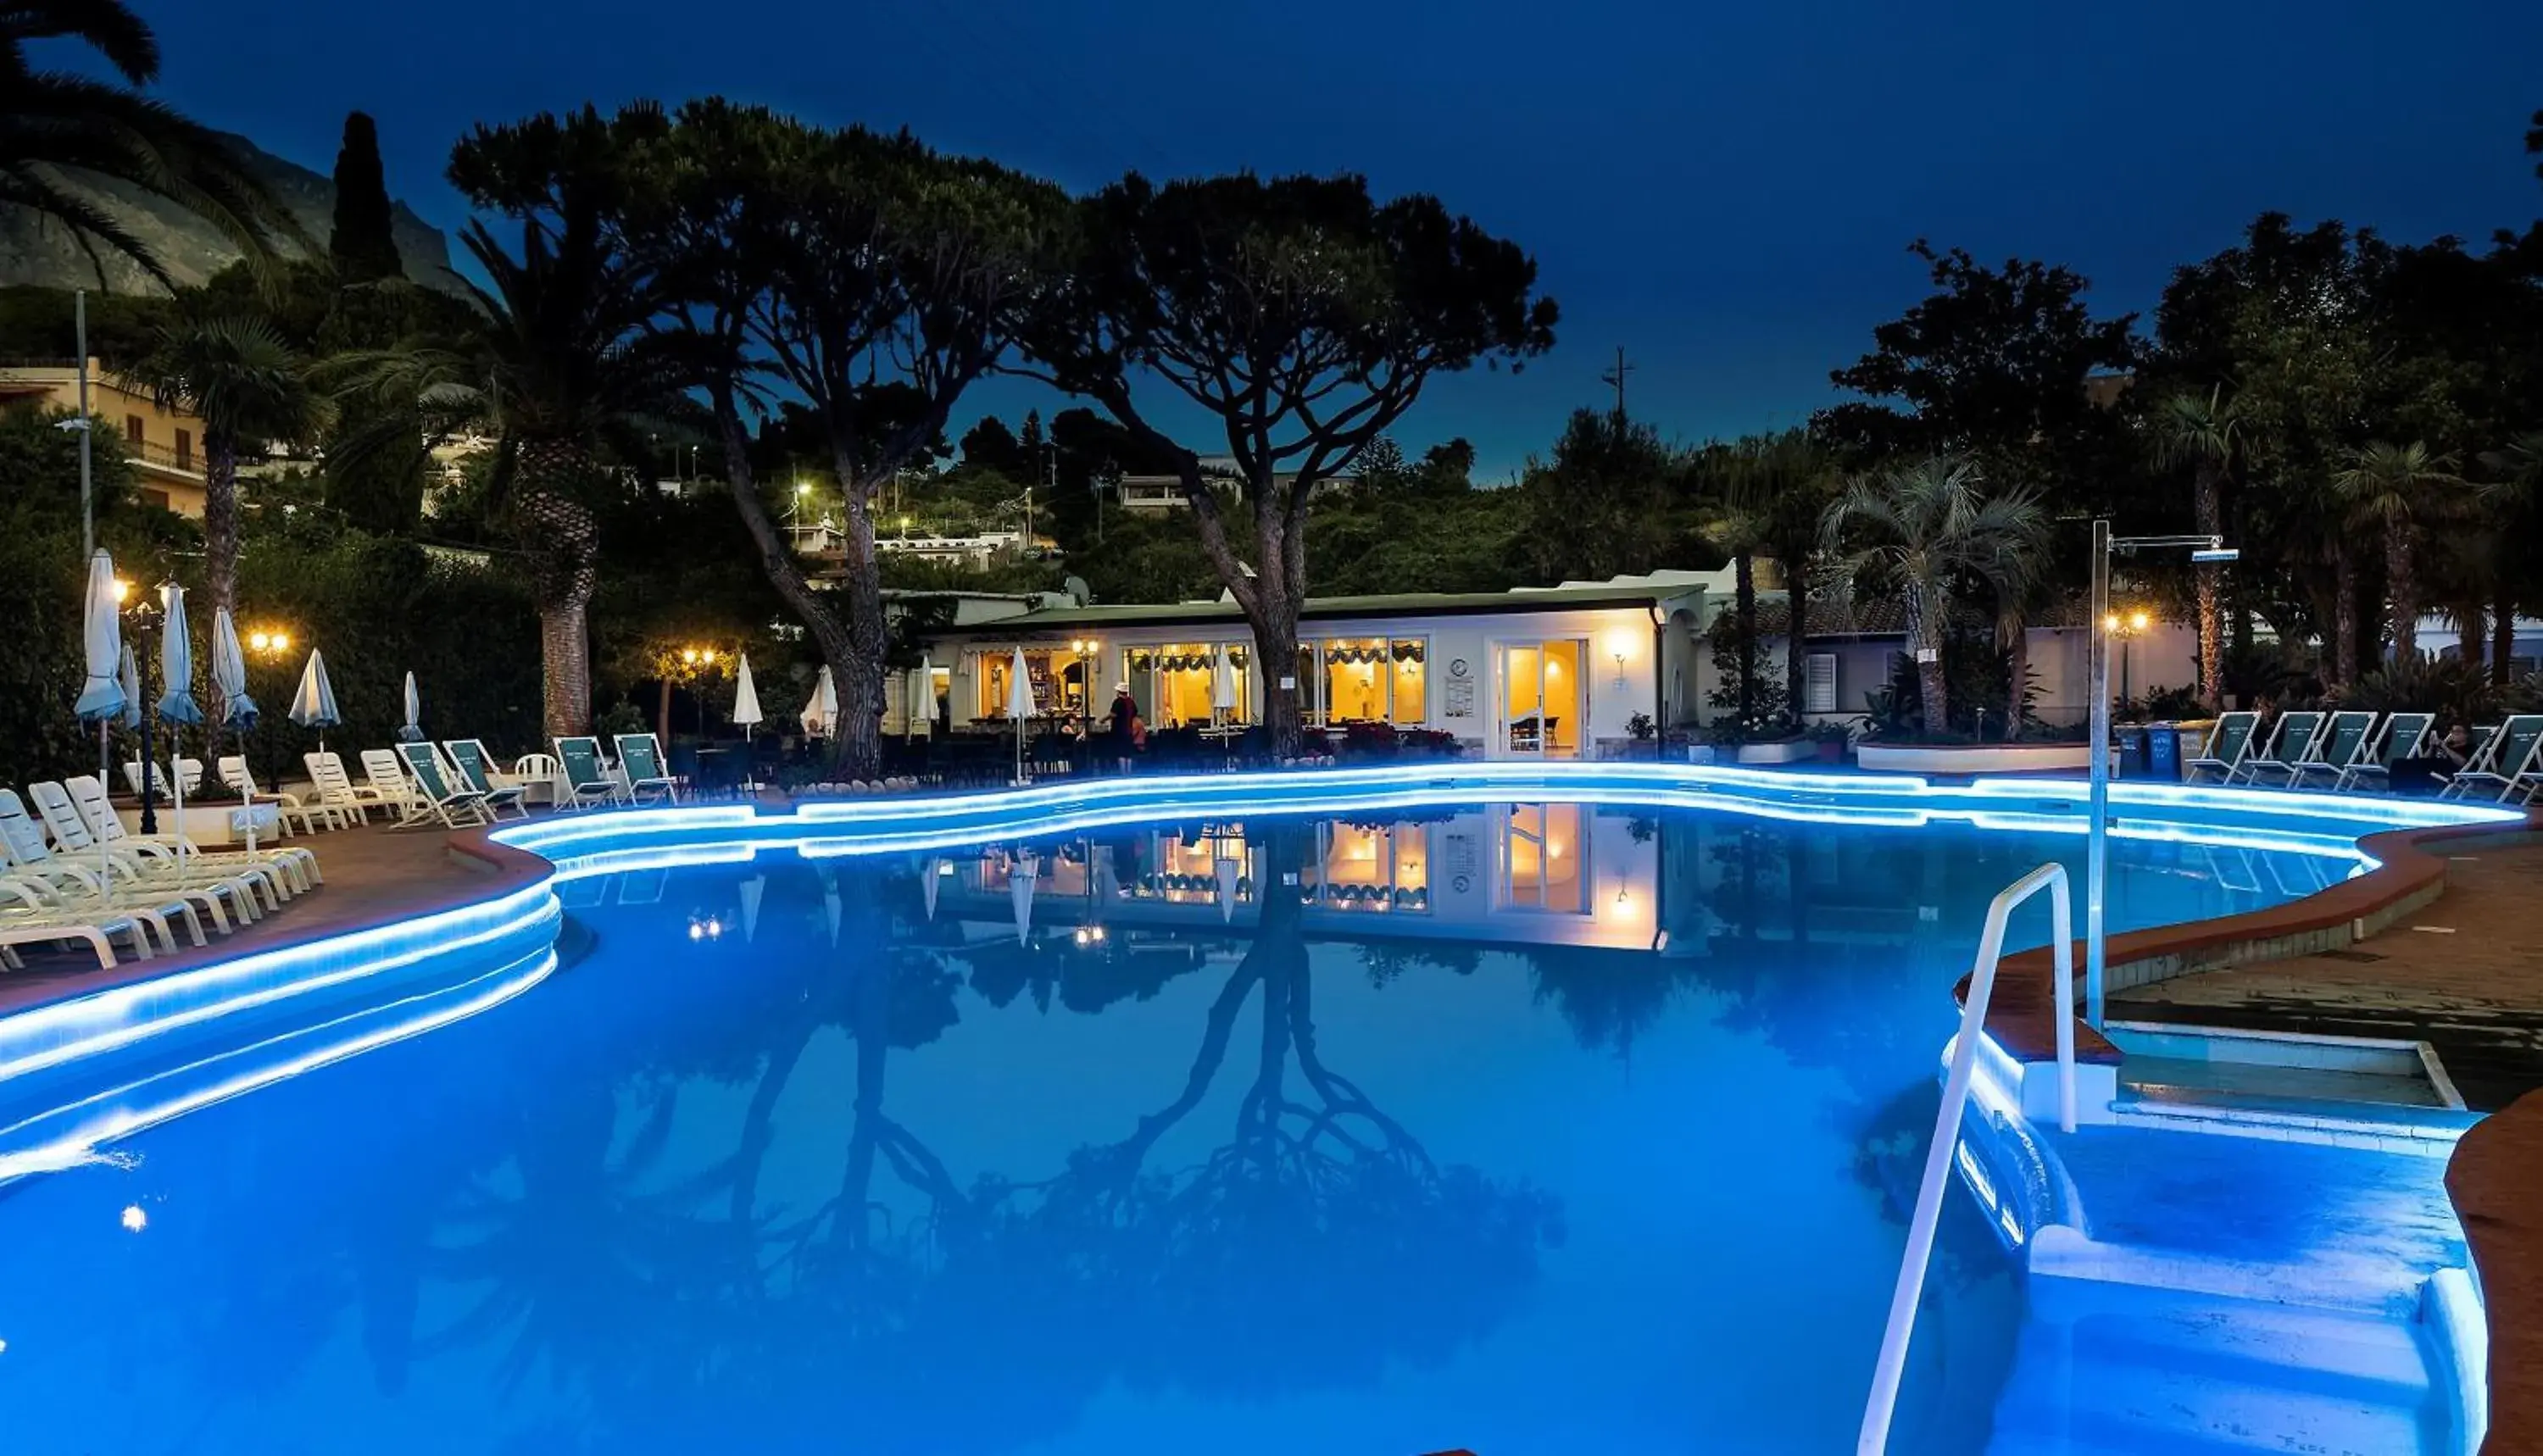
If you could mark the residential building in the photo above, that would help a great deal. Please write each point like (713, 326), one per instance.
(165, 446)
(1556, 672)
(1159, 493)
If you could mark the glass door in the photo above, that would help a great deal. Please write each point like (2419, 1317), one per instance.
(1522, 700)
(1541, 699)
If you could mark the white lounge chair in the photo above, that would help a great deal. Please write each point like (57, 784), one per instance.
(584, 780)
(288, 807)
(93, 893)
(2508, 766)
(642, 769)
(2401, 736)
(115, 880)
(436, 796)
(2291, 742)
(2228, 744)
(337, 790)
(385, 777)
(2348, 740)
(77, 811)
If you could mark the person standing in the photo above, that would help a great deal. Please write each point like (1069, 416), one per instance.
(1130, 734)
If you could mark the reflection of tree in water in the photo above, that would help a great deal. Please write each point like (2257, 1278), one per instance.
(1316, 1245)
(1321, 1229)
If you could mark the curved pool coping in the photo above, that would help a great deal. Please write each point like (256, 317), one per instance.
(2404, 876)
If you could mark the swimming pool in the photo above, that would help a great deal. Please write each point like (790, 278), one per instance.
(1427, 1116)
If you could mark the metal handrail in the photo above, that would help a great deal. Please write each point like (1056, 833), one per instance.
(1877, 1411)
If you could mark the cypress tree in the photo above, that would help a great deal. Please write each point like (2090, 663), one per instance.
(362, 243)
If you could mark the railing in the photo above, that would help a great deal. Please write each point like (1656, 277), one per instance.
(190, 462)
(1876, 1412)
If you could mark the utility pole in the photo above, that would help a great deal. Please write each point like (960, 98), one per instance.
(88, 499)
(1616, 377)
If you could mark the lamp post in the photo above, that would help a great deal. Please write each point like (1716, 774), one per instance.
(269, 644)
(2127, 628)
(2203, 550)
(143, 614)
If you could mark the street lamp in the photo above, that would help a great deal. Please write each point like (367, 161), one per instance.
(2128, 629)
(2203, 550)
(144, 614)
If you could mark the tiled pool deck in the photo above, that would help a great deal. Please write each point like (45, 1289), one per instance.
(2477, 993)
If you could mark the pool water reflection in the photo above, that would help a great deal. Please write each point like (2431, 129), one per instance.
(1524, 1127)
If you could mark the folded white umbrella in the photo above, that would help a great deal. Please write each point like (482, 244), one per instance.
(412, 733)
(102, 642)
(821, 713)
(176, 707)
(928, 874)
(229, 673)
(1222, 687)
(751, 890)
(314, 705)
(746, 712)
(1020, 705)
(129, 679)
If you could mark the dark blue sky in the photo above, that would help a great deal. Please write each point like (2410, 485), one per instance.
(1725, 190)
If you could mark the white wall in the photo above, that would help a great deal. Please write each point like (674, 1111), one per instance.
(1462, 706)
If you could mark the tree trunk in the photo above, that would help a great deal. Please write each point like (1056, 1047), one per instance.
(2211, 617)
(1924, 636)
(1797, 637)
(2018, 665)
(2403, 586)
(1747, 577)
(2502, 638)
(2344, 614)
(662, 712)
(565, 558)
(221, 555)
(856, 667)
(2469, 634)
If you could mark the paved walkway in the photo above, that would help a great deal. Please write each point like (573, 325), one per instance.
(374, 873)
(2465, 974)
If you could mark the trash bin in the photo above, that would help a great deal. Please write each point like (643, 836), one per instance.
(2163, 752)
(2130, 739)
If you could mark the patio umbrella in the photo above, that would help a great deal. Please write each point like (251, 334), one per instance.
(176, 707)
(1020, 705)
(821, 713)
(746, 712)
(314, 705)
(129, 677)
(1222, 688)
(1020, 890)
(238, 710)
(229, 673)
(102, 640)
(412, 733)
(928, 874)
(922, 696)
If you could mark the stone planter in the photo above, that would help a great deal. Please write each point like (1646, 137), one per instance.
(1781, 750)
(1975, 758)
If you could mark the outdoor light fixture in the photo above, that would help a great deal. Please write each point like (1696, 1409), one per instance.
(122, 590)
(2205, 550)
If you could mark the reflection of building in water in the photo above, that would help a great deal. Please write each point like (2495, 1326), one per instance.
(1531, 874)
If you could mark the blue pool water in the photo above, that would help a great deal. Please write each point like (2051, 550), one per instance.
(1520, 1127)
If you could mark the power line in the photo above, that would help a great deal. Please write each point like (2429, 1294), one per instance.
(1616, 376)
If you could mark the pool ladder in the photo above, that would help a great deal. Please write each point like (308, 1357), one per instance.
(1878, 1410)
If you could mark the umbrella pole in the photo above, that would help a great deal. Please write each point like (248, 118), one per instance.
(176, 792)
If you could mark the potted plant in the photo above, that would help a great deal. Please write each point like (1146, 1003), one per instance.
(1831, 739)
(1643, 732)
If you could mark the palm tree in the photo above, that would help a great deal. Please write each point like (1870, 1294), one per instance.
(559, 372)
(2205, 434)
(1925, 531)
(1769, 492)
(2509, 494)
(2397, 487)
(58, 125)
(1738, 524)
(248, 387)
